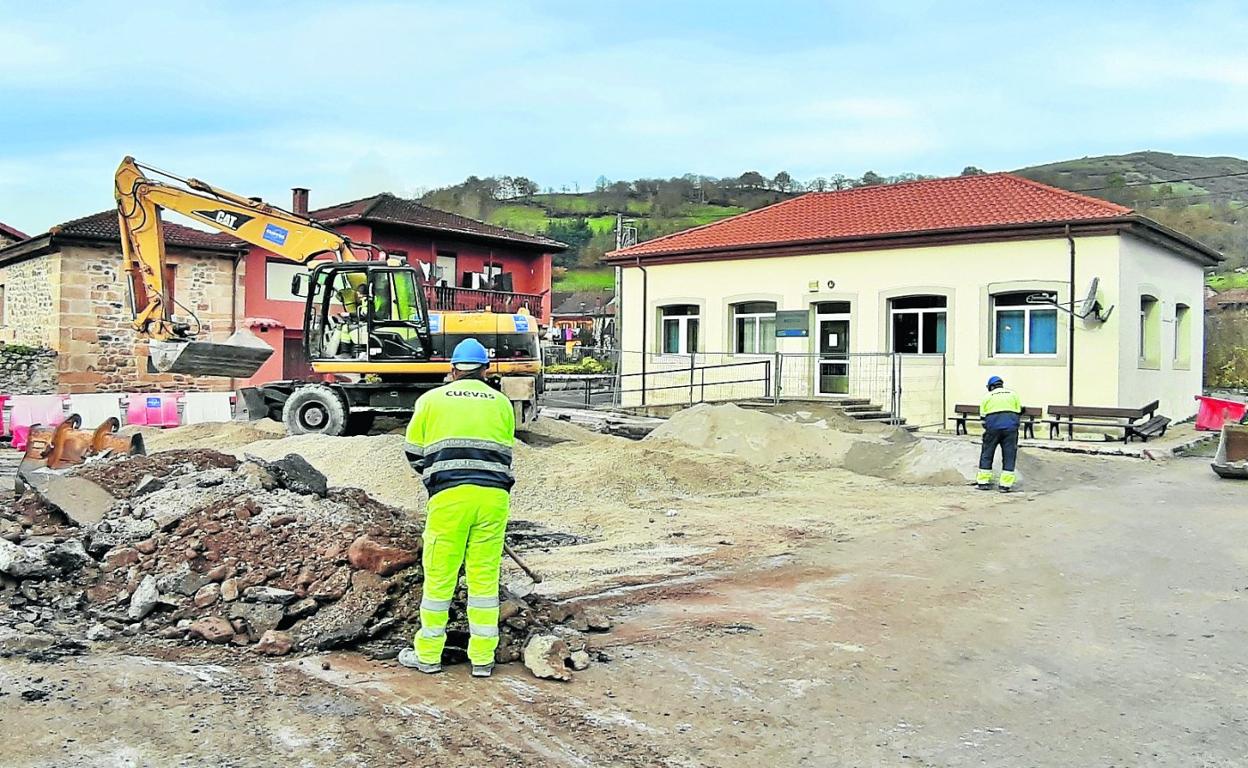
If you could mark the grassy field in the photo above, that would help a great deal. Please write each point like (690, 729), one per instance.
(586, 280)
(1227, 281)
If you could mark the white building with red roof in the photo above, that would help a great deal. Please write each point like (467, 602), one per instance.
(949, 281)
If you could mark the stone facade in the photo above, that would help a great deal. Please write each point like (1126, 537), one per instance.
(75, 300)
(31, 301)
(27, 370)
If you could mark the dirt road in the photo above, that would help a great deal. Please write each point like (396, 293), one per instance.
(1099, 627)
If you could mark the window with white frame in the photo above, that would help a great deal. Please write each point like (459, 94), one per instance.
(678, 328)
(754, 327)
(1024, 324)
(1182, 333)
(918, 324)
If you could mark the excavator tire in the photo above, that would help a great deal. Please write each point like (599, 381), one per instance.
(315, 409)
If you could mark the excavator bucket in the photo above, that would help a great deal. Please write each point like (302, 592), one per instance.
(65, 445)
(1231, 459)
(239, 356)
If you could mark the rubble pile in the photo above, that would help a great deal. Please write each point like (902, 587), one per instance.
(201, 546)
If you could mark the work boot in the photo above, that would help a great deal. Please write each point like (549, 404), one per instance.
(1005, 489)
(482, 670)
(983, 487)
(407, 657)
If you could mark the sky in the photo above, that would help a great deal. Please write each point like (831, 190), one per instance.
(354, 98)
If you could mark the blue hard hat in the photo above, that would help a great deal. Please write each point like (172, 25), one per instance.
(995, 381)
(470, 352)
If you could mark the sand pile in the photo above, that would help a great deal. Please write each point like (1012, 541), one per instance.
(200, 546)
(215, 436)
(756, 437)
(374, 463)
(816, 441)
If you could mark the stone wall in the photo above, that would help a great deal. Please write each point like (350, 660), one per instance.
(31, 301)
(100, 352)
(27, 370)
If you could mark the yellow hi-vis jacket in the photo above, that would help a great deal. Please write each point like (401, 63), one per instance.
(1001, 409)
(462, 434)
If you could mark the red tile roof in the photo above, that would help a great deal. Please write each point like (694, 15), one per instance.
(963, 202)
(10, 232)
(389, 209)
(104, 226)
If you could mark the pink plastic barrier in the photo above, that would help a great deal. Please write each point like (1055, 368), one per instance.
(1214, 412)
(29, 410)
(153, 410)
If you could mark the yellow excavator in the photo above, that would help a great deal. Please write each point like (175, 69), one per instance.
(367, 329)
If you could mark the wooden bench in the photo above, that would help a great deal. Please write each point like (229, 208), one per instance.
(1126, 419)
(964, 412)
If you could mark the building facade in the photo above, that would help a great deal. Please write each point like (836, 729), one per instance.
(971, 276)
(65, 290)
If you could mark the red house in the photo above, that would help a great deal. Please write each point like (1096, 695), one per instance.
(470, 266)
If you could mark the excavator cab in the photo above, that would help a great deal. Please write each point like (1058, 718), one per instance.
(364, 311)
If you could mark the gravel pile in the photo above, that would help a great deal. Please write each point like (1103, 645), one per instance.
(203, 547)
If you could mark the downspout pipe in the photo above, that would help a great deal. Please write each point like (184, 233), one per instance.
(1070, 362)
(645, 294)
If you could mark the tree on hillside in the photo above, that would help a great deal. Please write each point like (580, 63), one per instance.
(752, 180)
(783, 181)
(971, 170)
(818, 184)
(870, 179)
(601, 184)
(840, 181)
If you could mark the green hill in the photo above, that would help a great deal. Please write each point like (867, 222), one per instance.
(1211, 205)
(1203, 197)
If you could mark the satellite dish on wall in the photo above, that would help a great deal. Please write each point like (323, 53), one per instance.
(1090, 307)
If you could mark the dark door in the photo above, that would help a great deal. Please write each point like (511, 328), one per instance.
(833, 357)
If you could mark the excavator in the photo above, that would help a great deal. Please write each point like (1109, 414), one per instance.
(367, 330)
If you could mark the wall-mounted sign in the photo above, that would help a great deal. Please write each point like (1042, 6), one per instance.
(815, 285)
(831, 285)
(792, 323)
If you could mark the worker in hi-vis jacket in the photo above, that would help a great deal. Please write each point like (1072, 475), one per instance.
(459, 441)
(1001, 412)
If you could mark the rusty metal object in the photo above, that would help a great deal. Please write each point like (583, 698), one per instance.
(67, 445)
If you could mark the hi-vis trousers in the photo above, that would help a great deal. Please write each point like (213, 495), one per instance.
(465, 526)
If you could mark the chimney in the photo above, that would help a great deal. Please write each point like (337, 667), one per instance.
(299, 200)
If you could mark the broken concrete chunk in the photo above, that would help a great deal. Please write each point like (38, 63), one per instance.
(546, 657)
(207, 595)
(574, 639)
(275, 643)
(144, 598)
(81, 501)
(149, 484)
(268, 595)
(30, 562)
(579, 660)
(69, 555)
(370, 555)
(295, 474)
(99, 633)
(184, 581)
(305, 607)
(257, 476)
(597, 619)
(259, 617)
(214, 629)
(331, 588)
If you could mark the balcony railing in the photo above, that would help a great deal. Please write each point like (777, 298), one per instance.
(448, 299)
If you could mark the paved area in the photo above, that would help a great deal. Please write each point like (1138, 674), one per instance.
(1095, 626)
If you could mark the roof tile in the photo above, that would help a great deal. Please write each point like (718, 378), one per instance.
(104, 226)
(389, 209)
(962, 202)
